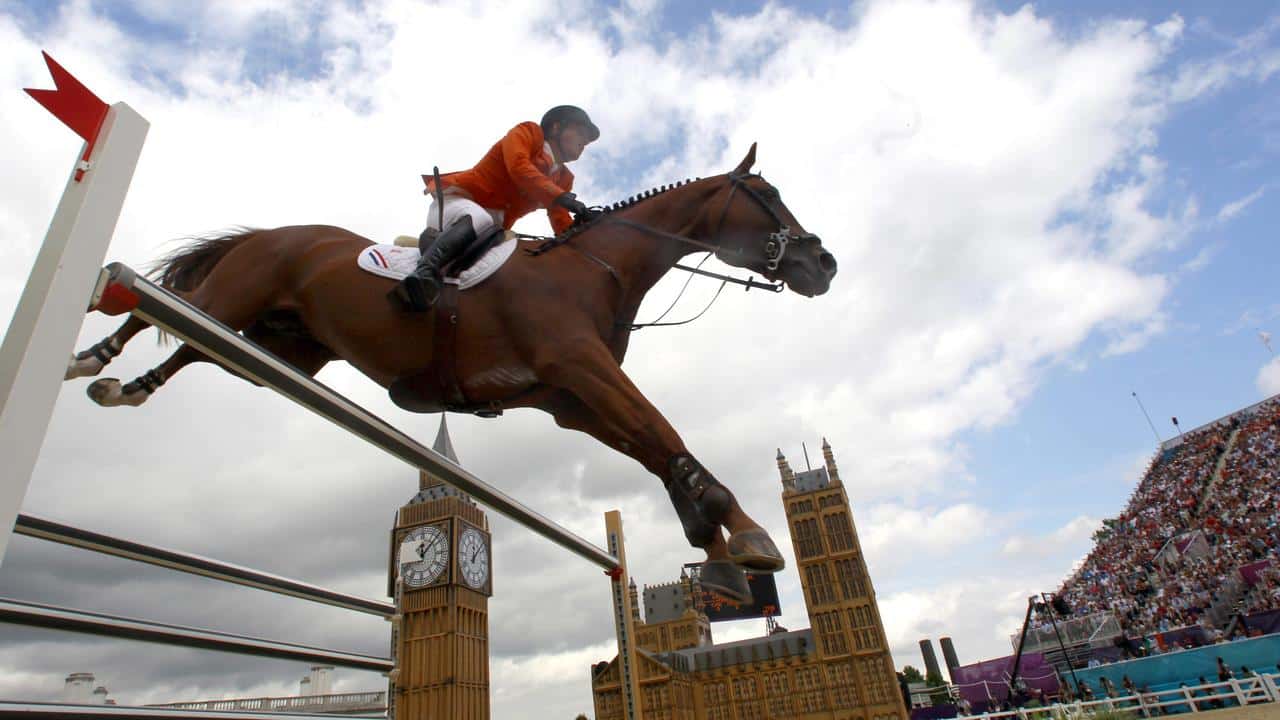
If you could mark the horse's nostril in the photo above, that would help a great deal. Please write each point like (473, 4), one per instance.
(827, 262)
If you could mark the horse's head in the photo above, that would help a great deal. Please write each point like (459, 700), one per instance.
(756, 231)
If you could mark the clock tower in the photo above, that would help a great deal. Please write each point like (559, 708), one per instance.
(440, 576)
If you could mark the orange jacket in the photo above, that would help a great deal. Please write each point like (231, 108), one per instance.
(514, 176)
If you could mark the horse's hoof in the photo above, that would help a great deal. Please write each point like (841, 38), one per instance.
(725, 579)
(108, 392)
(83, 367)
(754, 550)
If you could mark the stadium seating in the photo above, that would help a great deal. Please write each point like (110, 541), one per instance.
(1196, 544)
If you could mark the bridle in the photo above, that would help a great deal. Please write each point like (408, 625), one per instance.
(775, 246)
(774, 249)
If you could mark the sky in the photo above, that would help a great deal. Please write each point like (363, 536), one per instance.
(1038, 210)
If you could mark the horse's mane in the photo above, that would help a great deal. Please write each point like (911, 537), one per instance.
(647, 194)
(606, 210)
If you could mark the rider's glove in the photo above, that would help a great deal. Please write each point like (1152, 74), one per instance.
(570, 202)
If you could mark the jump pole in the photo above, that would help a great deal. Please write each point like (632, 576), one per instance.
(628, 670)
(123, 290)
(45, 325)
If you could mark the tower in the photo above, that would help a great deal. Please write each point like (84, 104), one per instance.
(440, 576)
(857, 670)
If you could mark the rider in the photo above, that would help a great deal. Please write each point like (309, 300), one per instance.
(522, 172)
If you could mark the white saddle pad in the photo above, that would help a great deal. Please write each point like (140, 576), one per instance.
(397, 261)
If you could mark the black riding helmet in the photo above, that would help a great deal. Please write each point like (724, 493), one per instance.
(569, 115)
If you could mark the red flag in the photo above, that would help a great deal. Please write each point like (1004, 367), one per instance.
(72, 103)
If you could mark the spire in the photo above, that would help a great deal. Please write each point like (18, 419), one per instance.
(443, 444)
(635, 601)
(784, 470)
(830, 460)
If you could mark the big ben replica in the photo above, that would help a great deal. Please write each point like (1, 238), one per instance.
(440, 575)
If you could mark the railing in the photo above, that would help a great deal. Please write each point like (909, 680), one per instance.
(376, 700)
(1089, 629)
(1196, 698)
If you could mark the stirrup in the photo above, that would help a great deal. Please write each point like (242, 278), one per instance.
(700, 501)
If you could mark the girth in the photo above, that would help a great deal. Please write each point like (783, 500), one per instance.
(440, 379)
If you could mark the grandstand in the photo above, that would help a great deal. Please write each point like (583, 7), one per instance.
(1192, 559)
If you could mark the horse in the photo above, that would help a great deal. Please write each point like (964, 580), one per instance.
(548, 330)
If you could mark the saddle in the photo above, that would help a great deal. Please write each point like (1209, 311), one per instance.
(440, 379)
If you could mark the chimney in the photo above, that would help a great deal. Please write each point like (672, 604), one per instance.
(321, 679)
(930, 659)
(99, 696)
(304, 687)
(949, 655)
(78, 689)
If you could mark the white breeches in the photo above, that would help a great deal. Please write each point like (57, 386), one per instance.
(456, 206)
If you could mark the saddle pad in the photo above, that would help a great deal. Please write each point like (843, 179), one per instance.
(396, 261)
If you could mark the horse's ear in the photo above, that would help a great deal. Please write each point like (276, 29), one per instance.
(744, 167)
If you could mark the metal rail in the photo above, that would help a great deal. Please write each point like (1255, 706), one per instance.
(165, 310)
(56, 618)
(9, 709)
(196, 565)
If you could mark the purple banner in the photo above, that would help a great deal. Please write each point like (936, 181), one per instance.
(935, 712)
(1262, 623)
(988, 680)
(1253, 570)
(1192, 636)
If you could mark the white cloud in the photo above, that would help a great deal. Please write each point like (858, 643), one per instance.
(1269, 378)
(1070, 536)
(1235, 207)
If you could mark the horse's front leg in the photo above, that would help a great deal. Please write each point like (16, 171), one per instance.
(720, 574)
(618, 414)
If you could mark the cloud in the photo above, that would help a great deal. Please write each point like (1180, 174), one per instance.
(1071, 535)
(1269, 378)
(990, 184)
(1235, 207)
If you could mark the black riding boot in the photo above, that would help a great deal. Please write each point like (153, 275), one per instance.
(420, 289)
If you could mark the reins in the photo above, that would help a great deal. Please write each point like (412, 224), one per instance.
(774, 249)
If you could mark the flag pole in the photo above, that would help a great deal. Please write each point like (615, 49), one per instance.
(1148, 417)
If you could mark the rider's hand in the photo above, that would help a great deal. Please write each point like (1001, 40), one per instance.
(570, 202)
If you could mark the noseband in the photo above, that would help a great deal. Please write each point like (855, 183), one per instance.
(776, 245)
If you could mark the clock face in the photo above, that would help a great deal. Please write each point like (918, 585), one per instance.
(423, 555)
(473, 558)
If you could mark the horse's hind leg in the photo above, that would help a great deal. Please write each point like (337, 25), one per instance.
(304, 354)
(237, 308)
(90, 362)
(108, 392)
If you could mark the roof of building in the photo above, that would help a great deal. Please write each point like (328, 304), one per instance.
(778, 645)
(814, 479)
(444, 444)
(432, 488)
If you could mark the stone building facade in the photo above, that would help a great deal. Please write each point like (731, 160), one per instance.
(837, 669)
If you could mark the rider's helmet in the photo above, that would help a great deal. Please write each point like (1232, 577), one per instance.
(569, 115)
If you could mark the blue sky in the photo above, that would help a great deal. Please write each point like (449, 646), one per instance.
(1219, 150)
(1038, 210)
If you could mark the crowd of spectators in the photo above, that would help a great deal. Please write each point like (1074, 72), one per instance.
(1176, 550)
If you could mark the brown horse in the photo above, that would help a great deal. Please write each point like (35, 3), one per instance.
(546, 331)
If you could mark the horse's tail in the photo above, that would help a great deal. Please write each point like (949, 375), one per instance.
(188, 266)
